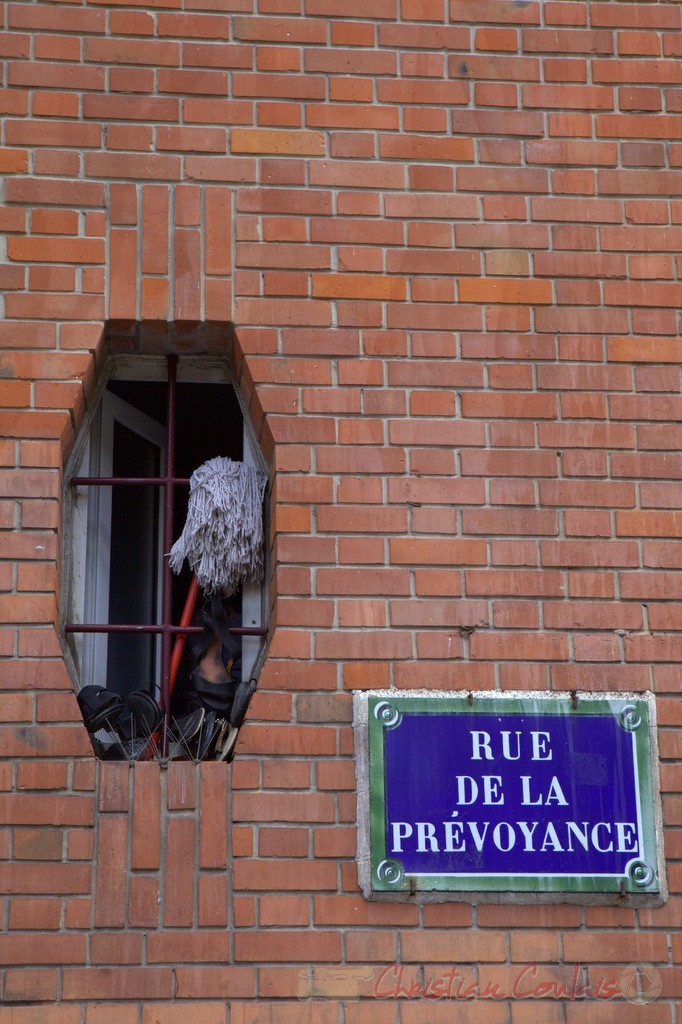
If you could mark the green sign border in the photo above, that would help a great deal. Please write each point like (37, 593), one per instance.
(636, 713)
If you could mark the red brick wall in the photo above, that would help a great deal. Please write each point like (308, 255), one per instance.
(448, 237)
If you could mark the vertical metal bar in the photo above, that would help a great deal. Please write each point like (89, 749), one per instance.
(167, 544)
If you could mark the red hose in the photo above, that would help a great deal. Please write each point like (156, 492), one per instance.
(180, 639)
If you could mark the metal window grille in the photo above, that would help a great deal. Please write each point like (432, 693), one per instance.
(169, 481)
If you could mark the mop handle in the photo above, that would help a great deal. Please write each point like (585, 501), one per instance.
(180, 639)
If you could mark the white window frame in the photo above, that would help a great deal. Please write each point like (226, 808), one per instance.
(96, 598)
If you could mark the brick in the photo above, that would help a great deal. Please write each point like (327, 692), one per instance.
(213, 821)
(593, 494)
(301, 143)
(517, 583)
(174, 947)
(284, 910)
(431, 947)
(68, 250)
(102, 983)
(650, 524)
(179, 879)
(34, 914)
(50, 741)
(116, 949)
(500, 290)
(143, 902)
(302, 740)
(212, 901)
(216, 55)
(52, 809)
(645, 947)
(591, 615)
(181, 787)
(45, 879)
(265, 85)
(142, 166)
(113, 789)
(500, 522)
(586, 435)
(146, 837)
(290, 946)
(41, 775)
(519, 646)
(213, 983)
(24, 985)
(358, 286)
(111, 872)
(191, 140)
(44, 75)
(565, 553)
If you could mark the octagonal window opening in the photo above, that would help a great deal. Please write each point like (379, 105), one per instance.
(126, 493)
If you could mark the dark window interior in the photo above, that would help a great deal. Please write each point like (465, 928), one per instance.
(134, 559)
(208, 424)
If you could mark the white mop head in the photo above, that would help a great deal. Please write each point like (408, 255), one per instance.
(223, 536)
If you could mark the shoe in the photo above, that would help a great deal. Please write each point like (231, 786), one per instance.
(201, 693)
(209, 731)
(215, 623)
(145, 713)
(99, 707)
(108, 745)
(181, 733)
(227, 737)
(242, 699)
(193, 689)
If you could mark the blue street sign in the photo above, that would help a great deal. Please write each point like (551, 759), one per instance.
(511, 794)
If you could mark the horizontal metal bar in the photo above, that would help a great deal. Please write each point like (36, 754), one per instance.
(145, 481)
(102, 627)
